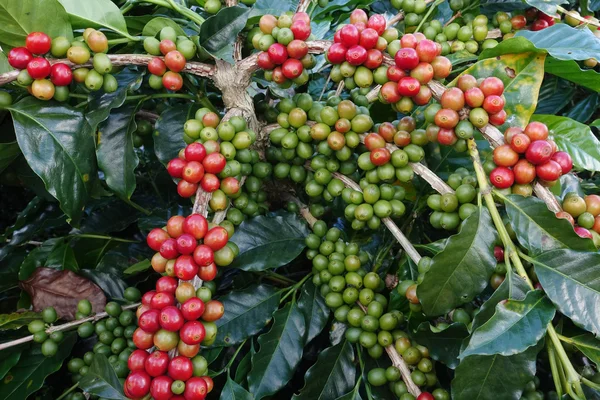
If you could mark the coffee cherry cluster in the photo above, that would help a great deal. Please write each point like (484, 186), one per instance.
(468, 33)
(38, 329)
(583, 213)
(46, 81)
(172, 318)
(142, 133)
(541, 159)
(414, 11)
(357, 299)
(165, 72)
(417, 62)
(450, 209)
(284, 56)
(115, 336)
(538, 19)
(189, 247)
(500, 270)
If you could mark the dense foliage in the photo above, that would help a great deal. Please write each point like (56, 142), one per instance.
(299, 199)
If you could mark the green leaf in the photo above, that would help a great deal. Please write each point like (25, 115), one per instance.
(461, 57)
(585, 108)
(8, 153)
(248, 312)
(494, 377)
(101, 380)
(315, 311)
(138, 267)
(219, 32)
(571, 71)
(233, 391)
(262, 7)
(115, 152)
(576, 273)
(267, 242)
(279, 354)
(17, 319)
(564, 42)
(29, 374)
(4, 65)
(513, 287)
(588, 345)
(576, 139)
(538, 229)
(522, 75)
(444, 346)
(62, 257)
(516, 326)
(353, 395)
(100, 103)
(59, 148)
(37, 257)
(332, 376)
(19, 18)
(96, 14)
(168, 139)
(462, 270)
(154, 26)
(547, 6)
(555, 94)
(10, 358)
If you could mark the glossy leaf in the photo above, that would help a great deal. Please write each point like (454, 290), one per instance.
(571, 71)
(332, 376)
(516, 326)
(585, 108)
(168, 139)
(61, 290)
(19, 18)
(115, 152)
(576, 139)
(29, 374)
(315, 311)
(8, 153)
(485, 377)
(444, 346)
(555, 94)
(108, 279)
(588, 345)
(4, 65)
(155, 25)
(219, 32)
(17, 319)
(279, 354)
(101, 103)
(462, 270)
(95, 14)
(267, 242)
(547, 6)
(248, 312)
(10, 358)
(37, 257)
(233, 391)
(58, 146)
(353, 395)
(138, 267)
(62, 257)
(522, 75)
(564, 42)
(573, 272)
(538, 229)
(101, 380)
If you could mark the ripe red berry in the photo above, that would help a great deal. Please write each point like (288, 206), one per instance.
(137, 384)
(39, 68)
(157, 67)
(389, 92)
(19, 57)
(61, 75)
(524, 172)
(539, 24)
(193, 172)
(157, 363)
(408, 86)
(498, 118)
(169, 249)
(195, 389)
(520, 142)
(160, 388)
(539, 152)
(408, 41)
(156, 237)
(394, 73)
(149, 321)
(38, 43)
(186, 244)
(492, 86)
(453, 99)
(166, 284)
(406, 58)
(549, 171)
(192, 332)
(214, 163)
(216, 238)
(374, 59)
(147, 297)
(300, 29)
(230, 185)
(564, 160)
(208, 273)
(264, 61)
(142, 339)
(195, 152)
(166, 46)
(377, 22)
(425, 396)
(502, 177)
(196, 225)
(368, 38)
(380, 156)
(358, 15)
(337, 53)
(192, 309)
(505, 156)
(374, 141)
(277, 53)
(175, 226)
(350, 36)
(175, 167)
(447, 137)
(186, 189)
(185, 268)
(297, 49)
(172, 81)
(426, 50)
(203, 255)
(493, 104)
(136, 360)
(499, 253)
(171, 318)
(446, 118)
(180, 368)
(292, 68)
(356, 55)
(424, 96)
(162, 300)
(474, 97)
(175, 61)
(536, 131)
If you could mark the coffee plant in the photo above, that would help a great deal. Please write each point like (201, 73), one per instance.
(299, 199)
